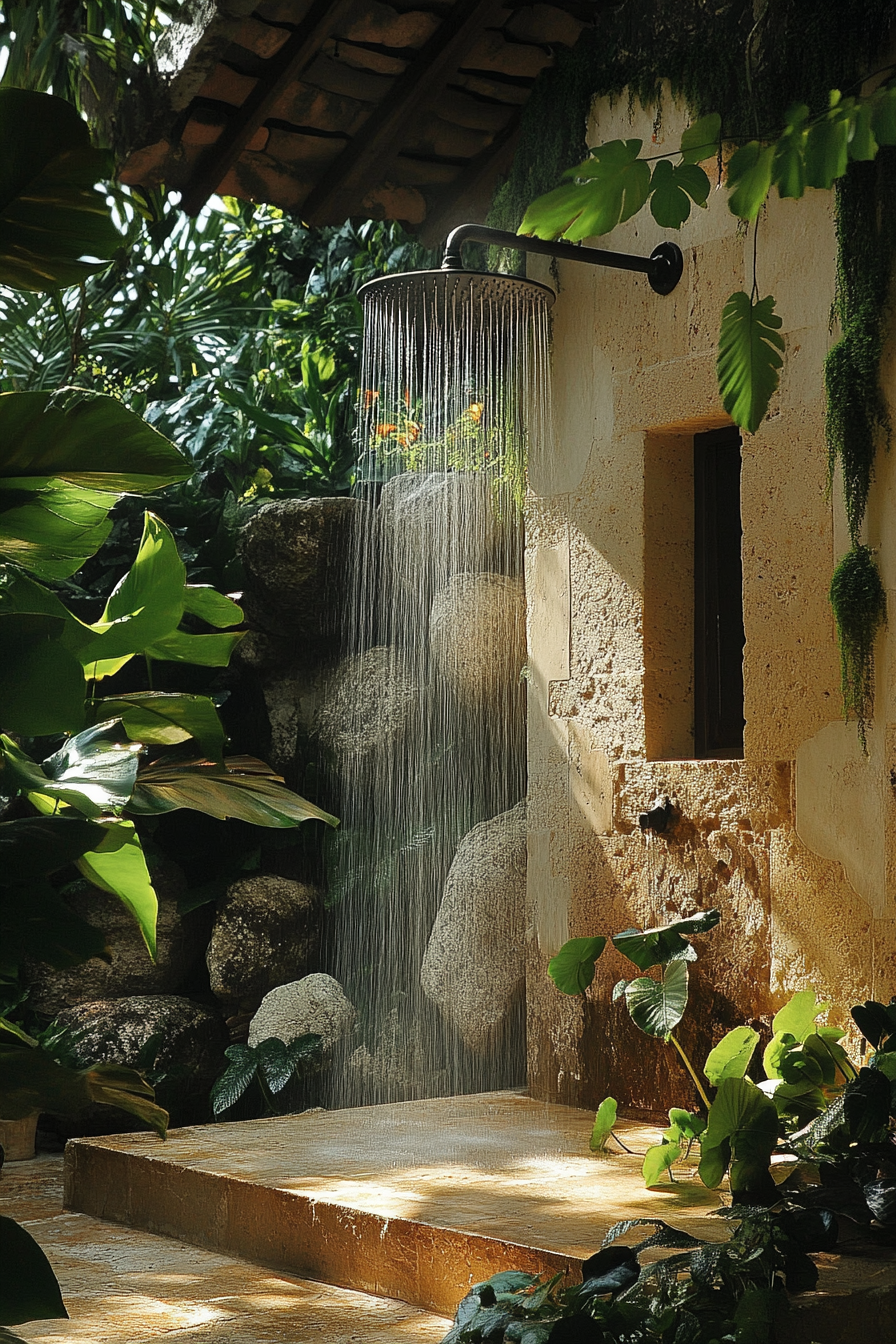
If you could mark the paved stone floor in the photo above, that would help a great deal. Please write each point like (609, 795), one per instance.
(123, 1286)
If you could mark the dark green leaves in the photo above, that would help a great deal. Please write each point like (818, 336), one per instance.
(271, 1061)
(55, 228)
(749, 179)
(877, 1023)
(241, 787)
(749, 358)
(30, 1080)
(30, 1289)
(742, 1129)
(654, 947)
(572, 969)
(657, 1006)
(702, 139)
(672, 189)
(160, 718)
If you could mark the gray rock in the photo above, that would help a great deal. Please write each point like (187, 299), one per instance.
(180, 944)
(189, 1052)
(297, 558)
(266, 932)
(314, 1004)
(477, 634)
(474, 965)
(367, 703)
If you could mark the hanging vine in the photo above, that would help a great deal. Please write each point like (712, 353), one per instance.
(753, 62)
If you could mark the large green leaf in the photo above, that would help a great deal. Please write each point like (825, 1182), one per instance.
(162, 718)
(572, 969)
(731, 1057)
(41, 681)
(91, 770)
(212, 606)
(657, 1006)
(242, 787)
(30, 1290)
(744, 1121)
(604, 1120)
(201, 650)
(55, 228)
(749, 179)
(85, 438)
(672, 189)
(146, 605)
(827, 144)
(668, 942)
(658, 1159)
(799, 1014)
(31, 1080)
(50, 526)
(749, 358)
(608, 188)
(789, 164)
(702, 139)
(114, 862)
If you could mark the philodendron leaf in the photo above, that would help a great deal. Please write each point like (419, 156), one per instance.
(657, 1006)
(30, 1289)
(242, 787)
(607, 189)
(827, 145)
(749, 179)
(702, 139)
(55, 227)
(731, 1057)
(654, 947)
(658, 1159)
(672, 189)
(572, 969)
(743, 1120)
(750, 345)
(798, 1016)
(604, 1121)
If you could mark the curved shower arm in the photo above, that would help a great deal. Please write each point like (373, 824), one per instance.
(663, 267)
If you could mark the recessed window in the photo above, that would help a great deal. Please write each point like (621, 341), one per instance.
(718, 596)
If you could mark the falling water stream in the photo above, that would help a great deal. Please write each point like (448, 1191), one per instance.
(425, 718)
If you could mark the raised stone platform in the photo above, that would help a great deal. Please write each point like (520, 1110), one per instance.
(419, 1200)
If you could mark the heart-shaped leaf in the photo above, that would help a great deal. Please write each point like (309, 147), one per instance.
(657, 1006)
(572, 969)
(672, 189)
(798, 1016)
(749, 358)
(731, 1057)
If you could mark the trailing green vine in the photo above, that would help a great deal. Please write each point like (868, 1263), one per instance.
(764, 65)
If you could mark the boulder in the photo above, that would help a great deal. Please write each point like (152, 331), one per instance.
(314, 1004)
(477, 634)
(297, 559)
(180, 944)
(367, 703)
(474, 966)
(265, 933)
(180, 1044)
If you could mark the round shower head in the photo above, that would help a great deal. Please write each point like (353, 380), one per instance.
(458, 292)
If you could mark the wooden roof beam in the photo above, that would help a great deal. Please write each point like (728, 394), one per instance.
(292, 58)
(341, 190)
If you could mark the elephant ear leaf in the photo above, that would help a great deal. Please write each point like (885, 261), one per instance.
(750, 346)
(30, 1288)
(55, 228)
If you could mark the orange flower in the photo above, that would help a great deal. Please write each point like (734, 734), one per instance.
(412, 431)
(474, 411)
(382, 431)
(369, 397)
(407, 398)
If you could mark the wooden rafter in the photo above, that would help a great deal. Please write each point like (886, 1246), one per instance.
(362, 162)
(289, 62)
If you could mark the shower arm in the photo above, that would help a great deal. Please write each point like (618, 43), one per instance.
(663, 267)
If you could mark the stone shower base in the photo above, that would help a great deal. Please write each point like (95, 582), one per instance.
(418, 1200)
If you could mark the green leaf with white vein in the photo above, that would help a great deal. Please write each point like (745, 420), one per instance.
(750, 345)
(657, 1006)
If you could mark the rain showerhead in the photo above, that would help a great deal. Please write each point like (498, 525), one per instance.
(453, 287)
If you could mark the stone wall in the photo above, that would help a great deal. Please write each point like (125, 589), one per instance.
(795, 843)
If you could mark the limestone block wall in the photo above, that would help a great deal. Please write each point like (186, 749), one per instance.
(795, 843)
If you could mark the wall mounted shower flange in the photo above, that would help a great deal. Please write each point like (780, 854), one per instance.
(659, 815)
(663, 267)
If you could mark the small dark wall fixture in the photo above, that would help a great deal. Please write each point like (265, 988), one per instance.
(658, 817)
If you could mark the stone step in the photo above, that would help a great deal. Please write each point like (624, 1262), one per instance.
(419, 1200)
